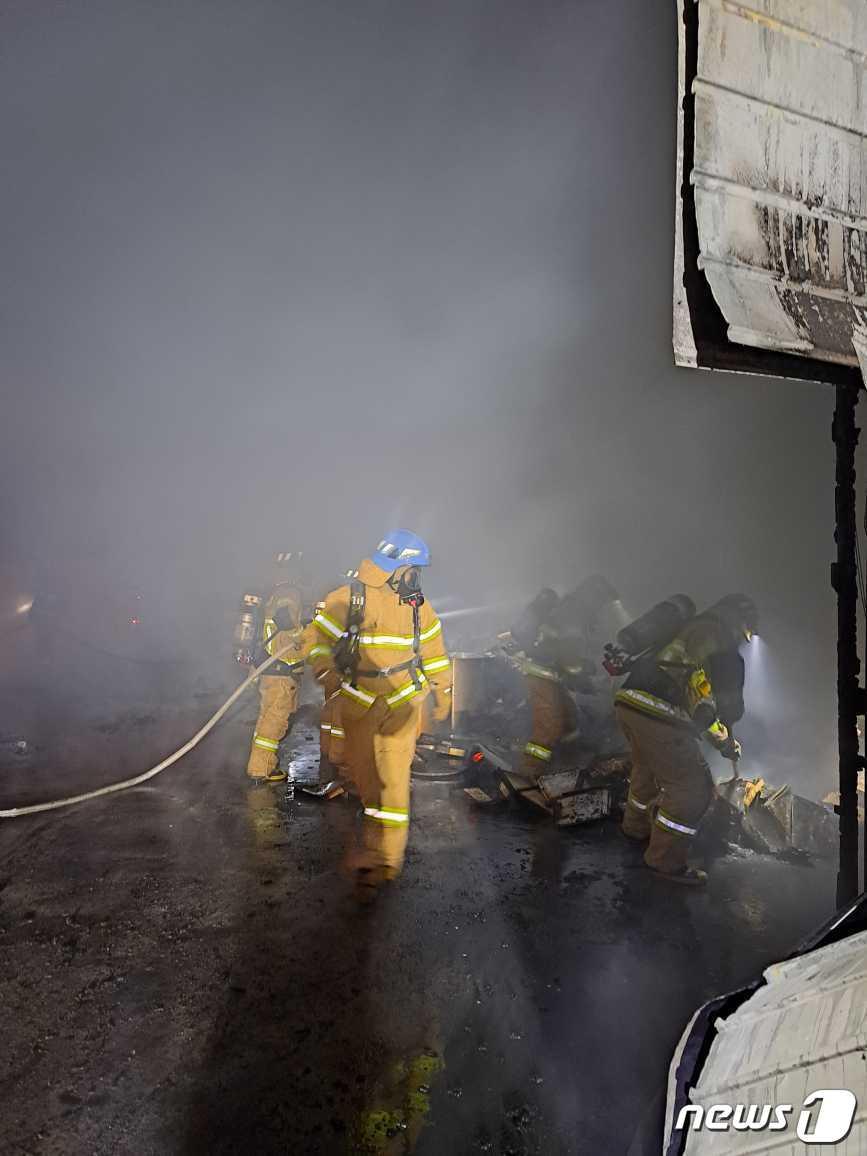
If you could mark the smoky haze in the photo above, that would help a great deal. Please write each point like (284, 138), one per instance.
(282, 275)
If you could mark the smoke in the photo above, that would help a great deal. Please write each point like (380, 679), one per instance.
(282, 276)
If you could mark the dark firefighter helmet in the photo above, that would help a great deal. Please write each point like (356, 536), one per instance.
(738, 613)
(545, 601)
(584, 605)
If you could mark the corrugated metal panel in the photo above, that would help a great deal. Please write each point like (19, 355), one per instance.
(779, 171)
(804, 1031)
(685, 352)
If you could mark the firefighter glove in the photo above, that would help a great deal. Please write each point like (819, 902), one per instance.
(730, 749)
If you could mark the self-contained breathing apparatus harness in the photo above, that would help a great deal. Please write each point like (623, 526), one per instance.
(345, 651)
(271, 627)
(642, 646)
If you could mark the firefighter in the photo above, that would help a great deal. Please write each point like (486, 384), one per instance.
(278, 689)
(672, 698)
(384, 643)
(552, 661)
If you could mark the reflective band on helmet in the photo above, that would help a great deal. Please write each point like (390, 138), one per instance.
(431, 632)
(266, 744)
(358, 695)
(536, 671)
(670, 825)
(320, 650)
(434, 664)
(391, 818)
(538, 752)
(406, 692)
(328, 625)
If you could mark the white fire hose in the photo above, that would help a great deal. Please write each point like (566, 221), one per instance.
(35, 808)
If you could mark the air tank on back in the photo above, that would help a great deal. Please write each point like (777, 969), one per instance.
(658, 626)
(246, 631)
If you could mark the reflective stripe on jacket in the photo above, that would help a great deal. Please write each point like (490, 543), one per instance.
(537, 670)
(673, 684)
(385, 643)
(653, 705)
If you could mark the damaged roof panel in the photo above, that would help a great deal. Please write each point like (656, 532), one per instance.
(772, 219)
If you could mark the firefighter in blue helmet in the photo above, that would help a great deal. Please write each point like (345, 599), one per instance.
(381, 639)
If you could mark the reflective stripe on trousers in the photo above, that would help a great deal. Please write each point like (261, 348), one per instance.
(266, 744)
(672, 825)
(631, 801)
(391, 818)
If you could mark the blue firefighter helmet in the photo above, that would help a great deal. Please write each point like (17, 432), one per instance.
(400, 548)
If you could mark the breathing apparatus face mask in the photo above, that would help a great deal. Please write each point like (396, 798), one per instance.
(408, 586)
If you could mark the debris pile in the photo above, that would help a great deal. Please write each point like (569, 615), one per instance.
(773, 820)
(570, 796)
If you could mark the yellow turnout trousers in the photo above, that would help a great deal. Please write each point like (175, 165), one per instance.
(278, 698)
(331, 736)
(670, 789)
(380, 744)
(552, 716)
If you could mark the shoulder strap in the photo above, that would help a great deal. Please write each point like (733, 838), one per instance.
(416, 647)
(357, 603)
(346, 647)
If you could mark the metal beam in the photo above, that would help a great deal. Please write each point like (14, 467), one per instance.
(844, 579)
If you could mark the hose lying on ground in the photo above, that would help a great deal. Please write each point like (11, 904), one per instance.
(35, 808)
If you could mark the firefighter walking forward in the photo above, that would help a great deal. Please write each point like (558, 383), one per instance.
(384, 641)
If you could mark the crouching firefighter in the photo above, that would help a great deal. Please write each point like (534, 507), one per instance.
(553, 661)
(278, 688)
(685, 683)
(380, 637)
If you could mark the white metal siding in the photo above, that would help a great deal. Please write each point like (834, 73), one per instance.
(805, 1031)
(780, 171)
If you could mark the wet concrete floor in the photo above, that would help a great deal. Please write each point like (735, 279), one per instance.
(184, 970)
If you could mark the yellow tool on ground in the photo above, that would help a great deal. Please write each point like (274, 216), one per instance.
(752, 791)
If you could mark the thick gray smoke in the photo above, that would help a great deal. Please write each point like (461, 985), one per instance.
(282, 275)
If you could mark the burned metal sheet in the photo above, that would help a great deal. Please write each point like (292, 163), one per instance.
(772, 139)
